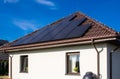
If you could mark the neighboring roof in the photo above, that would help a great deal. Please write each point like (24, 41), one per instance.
(3, 56)
(75, 27)
(2, 42)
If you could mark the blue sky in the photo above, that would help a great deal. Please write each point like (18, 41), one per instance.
(20, 17)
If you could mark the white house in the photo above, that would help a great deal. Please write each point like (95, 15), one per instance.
(66, 49)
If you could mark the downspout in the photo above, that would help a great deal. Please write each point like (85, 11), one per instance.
(10, 67)
(111, 52)
(98, 59)
(4, 51)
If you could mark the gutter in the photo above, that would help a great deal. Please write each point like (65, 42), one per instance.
(54, 44)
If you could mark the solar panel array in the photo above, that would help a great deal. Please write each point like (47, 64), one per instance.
(69, 27)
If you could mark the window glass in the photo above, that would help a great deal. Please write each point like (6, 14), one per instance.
(24, 63)
(73, 63)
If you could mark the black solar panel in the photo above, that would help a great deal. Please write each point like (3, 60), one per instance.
(33, 36)
(66, 28)
(48, 35)
(69, 28)
(79, 31)
(73, 18)
(52, 33)
(36, 35)
(28, 38)
(20, 41)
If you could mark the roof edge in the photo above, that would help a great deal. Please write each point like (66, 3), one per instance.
(60, 43)
(98, 22)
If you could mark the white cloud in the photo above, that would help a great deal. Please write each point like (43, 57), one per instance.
(46, 2)
(25, 25)
(54, 8)
(11, 1)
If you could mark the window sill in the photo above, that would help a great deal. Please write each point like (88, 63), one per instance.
(23, 72)
(73, 74)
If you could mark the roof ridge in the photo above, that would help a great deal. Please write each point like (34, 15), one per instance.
(98, 22)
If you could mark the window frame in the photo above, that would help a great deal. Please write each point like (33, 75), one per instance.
(23, 64)
(68, 54)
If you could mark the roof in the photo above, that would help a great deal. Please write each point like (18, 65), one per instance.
(75, 27)
(2, 42)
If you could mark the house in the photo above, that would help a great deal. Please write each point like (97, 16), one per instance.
(3, 60)
(66, 49)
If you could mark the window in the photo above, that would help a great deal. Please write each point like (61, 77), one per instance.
(73, 63)
(24, 63)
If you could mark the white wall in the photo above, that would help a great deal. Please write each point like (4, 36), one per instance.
(51, 63)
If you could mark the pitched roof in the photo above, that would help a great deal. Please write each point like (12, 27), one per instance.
(2, 42)
(75, 26)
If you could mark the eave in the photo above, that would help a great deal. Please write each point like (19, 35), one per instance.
(59, 43)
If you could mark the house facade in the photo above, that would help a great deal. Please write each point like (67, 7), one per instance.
(66, 49)
(52, 63)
